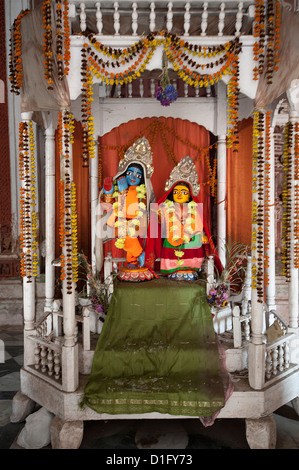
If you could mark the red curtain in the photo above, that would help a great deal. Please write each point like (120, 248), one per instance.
(170, 144)
(239, 186)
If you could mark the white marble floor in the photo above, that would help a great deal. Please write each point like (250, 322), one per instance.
(224, 434)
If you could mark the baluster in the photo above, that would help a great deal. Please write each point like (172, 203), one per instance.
(221, 19)
(99, 18)
(152, 87)
(37, 356)
(280, 357)
(57, 366)
(169, 17)
(82, 17)
(118, 91)
(43, 358)
(114, 267)
(208, 90)
(116, 19)
(134, 19)
(50, 362)
(204, 19)
(152, 17)
(286, 355)
(268, 365)
(197, 91)
(274, 361)
(186, 90)
(141, 88)
(247, 329)
(239, 18)
(130, 89)
(187, 17)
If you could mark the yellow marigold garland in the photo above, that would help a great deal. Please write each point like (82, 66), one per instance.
(28, 214)
(287, 201)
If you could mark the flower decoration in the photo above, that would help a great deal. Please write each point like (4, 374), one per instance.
(67, 205)
(218, 295)
(287, 200)
(97, 291)
(28, 214)
(166, 93)
(235, 265)
(15, 55)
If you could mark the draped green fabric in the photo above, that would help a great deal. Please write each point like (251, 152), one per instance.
(157, 352)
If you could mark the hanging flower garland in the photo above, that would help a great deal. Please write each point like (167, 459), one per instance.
(296, 195)
(267, 200)
(15, 55)
(287, 201)
(28, 214)
(47, 47)
(166, 93)
(257, 243)
(67, 206)
(266, 24)
(136, 58)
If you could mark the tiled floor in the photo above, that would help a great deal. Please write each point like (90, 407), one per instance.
(224, 434)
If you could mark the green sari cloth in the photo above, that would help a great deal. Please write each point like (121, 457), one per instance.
(157, 352)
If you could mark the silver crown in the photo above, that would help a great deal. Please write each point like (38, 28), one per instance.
(139, 152)
(185, 170)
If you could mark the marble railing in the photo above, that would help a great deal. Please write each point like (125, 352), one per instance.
(214, 18)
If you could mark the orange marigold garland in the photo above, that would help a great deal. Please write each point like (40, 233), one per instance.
(47, 48)
(66, 37)
(15, 55)
(28, 214)
(266, 24)
(59, 39)
(287, 201)
(296, 195)
(267, 200)
(233, 92)
(257, 242)
(67, 207)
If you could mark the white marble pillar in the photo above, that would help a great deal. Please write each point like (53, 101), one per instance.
(70, 369)
(221, 198)
(49, 216)
(29, 300)
(94, 193)
(256, 351)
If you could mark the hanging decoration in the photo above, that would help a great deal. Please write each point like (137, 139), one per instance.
(296, 195)
(67, 205)
(101, 61)
(267, 196)
(266, 30)
(166, 93)
(28, 214)
(258, 163)
(160, 128)
(15, 55)
(287, 201)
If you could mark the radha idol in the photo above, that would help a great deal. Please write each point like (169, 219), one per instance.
(124, 209)
(178, 234)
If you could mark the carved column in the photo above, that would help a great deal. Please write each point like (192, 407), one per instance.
(29, 289)
(221, 197)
